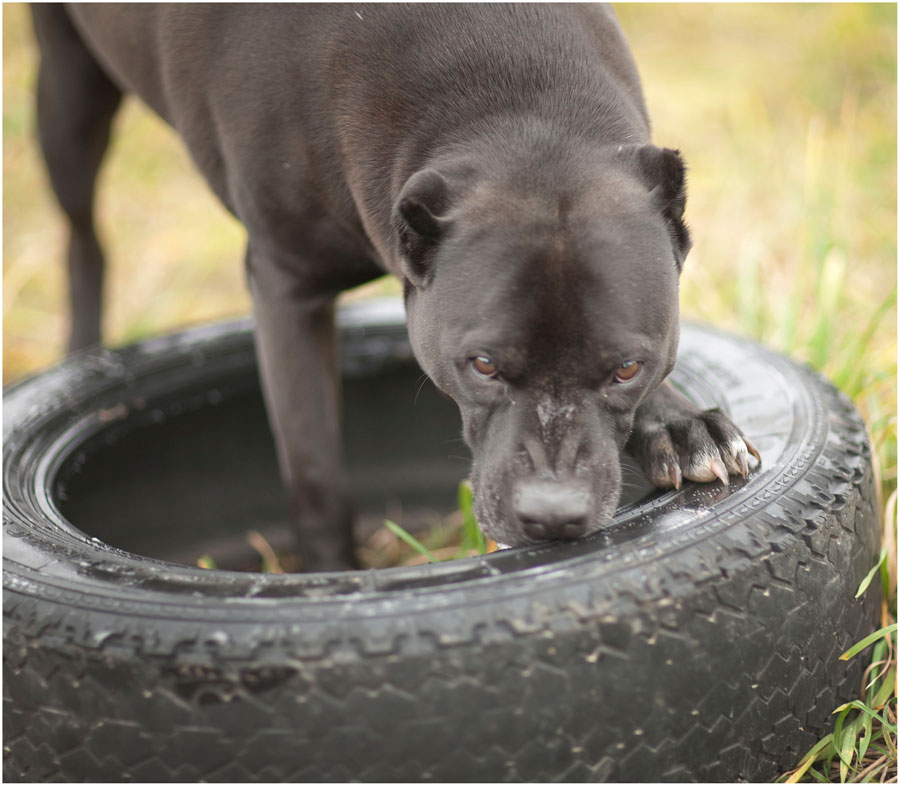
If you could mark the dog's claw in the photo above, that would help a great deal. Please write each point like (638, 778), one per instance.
(718, 469)
(675, 474)
(753, 451)
(744, 464)
(697, 446)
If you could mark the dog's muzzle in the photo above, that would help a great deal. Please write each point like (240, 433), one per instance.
(552, 509)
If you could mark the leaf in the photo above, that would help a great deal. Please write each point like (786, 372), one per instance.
(831, 285)
(850, 380)
(811, 755)
(886, 582)
(866, 738)
(864, 584)
(847, 747)
(886, 690)
(858, 705)
(844, 711)
(472, 536)
(409, 540)
(270, 563)
(879, 651)
(870, 639)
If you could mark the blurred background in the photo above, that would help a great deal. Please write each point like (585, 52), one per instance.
(786, 115)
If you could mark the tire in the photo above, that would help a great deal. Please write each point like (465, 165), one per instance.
(696, 639)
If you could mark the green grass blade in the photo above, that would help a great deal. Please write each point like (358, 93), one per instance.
(831, 284)
(811, 755)
(878, 655)
(788, 324)
(844, 711)
(850, 379)
(472, 536)
(886, 587)
(865, 739)
(750, 293)
(886, 690)
(858, 705)
(868, 640)
(864, 584)
(847, 746)
(409, 540)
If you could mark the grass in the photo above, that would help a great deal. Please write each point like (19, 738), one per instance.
(863, 746)
(471, 539)
(786, 115)
(452, 537)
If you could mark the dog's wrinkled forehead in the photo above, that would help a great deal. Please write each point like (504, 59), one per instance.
(556, 284)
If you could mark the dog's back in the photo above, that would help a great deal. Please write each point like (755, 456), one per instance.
(251, 88)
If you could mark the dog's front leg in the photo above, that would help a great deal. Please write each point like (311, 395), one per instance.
(672, 439)
(297, 351)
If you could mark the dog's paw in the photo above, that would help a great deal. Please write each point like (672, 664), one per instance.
(701, 446)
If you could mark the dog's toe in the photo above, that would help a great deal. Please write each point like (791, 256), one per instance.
(667, 473)
(703, 447)
(706, 465)
(659, 459)
(733, 448)
(735, 456)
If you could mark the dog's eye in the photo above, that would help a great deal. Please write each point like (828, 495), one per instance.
(485, 366)
(627, 371)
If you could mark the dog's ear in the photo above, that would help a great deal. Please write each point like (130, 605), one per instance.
(663, 171)
(419, 222)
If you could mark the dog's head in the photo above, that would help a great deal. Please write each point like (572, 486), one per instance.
(545, 303)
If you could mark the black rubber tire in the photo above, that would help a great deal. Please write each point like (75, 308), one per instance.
(697, 639)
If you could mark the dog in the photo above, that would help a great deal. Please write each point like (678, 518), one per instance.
(496, 158)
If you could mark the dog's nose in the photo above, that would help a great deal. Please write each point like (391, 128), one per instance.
(550, 510)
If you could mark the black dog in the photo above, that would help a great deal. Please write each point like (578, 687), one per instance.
(496, 158)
